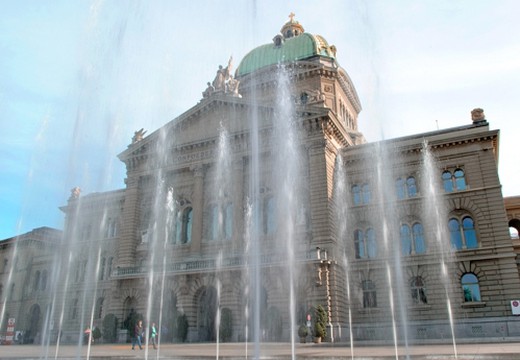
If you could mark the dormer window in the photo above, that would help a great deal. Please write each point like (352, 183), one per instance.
(278, 40)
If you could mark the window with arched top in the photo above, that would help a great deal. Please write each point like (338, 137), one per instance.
(36, 283)
(400, 189)
(470, 287)
(43, 282)
(462, 233)
(365, 243)
(220, 222)
(412, 239)
(187, 225)
(269, 216)
(180, 233)
(366, 193)
(356, 194)
(454, 180)
(411, 186)
(102, 269)
(406, 188)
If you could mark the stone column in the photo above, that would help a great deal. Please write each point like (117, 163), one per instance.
(238, 203)
(128, 240)
(198, 203)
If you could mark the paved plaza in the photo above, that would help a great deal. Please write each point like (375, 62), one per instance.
(482, 351)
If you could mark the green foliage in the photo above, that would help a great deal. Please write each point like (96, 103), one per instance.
(320, 325)
(226, 325)
(110, 328)
(96, 333)
(181, 328)
(319, 330)
(303, 331)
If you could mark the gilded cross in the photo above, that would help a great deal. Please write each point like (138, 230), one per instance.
(291, 16)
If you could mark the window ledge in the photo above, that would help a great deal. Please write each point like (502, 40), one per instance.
(473, 304)
(418, 307)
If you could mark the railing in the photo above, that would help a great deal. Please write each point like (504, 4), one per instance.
(203, 265)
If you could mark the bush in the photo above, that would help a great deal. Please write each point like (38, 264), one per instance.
(110, 328)
(96, 334)
(181, 330)
(226, 325)
(303, 331)
(320, 326)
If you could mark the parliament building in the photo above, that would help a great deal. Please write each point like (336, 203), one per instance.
(230, 218)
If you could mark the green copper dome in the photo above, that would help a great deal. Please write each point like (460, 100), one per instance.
(285, 50)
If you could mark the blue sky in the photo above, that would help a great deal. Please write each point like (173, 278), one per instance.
(77, 78)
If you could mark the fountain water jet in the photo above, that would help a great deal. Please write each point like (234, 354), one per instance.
(435, 207)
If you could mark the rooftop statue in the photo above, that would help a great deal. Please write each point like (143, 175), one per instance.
(477, 115)
(232, 86)
(223, 82)
(75, 192)
(138, 135)
(222, 76)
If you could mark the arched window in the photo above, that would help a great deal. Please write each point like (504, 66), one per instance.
(462, 233)
(356, 194)
(460, 179)
(406, 240)
(270, 216)
(455, 181)
(412, 239)
(371, 243)
(365, 244)
(102, 269)
(411, 187)
(418, 238)
(220, 222)
(366, 194)
(43, 282)
(400, 189)
(181, 231)
(213, 223)
(369, 294)
(36, 283)
(110, 263)
(418, 290)
(187, 225)
(178, 228)
(470, 287)
(359, 242)
(228, 221)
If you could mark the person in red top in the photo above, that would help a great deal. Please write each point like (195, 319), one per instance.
(138, 334)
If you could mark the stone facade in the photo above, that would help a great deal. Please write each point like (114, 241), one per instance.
(411, 231)
(26, 286)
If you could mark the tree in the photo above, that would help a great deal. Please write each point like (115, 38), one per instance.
(320, 326)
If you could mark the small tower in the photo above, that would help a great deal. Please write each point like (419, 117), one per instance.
(291, 28)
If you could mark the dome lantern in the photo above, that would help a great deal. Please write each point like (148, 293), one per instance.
(291, 28)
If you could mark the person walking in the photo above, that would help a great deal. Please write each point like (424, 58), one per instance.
(138, 334)
(153, 335)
